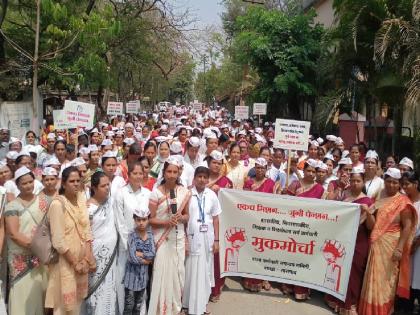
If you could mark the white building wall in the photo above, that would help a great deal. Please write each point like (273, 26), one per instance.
(325, 12)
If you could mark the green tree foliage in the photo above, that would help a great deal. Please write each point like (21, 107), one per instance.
(126, 49)
(380, 77)
(283, 50)
(397, 45)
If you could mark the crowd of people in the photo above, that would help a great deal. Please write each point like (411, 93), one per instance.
(133, 213)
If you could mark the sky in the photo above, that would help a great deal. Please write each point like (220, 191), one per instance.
(206, 11)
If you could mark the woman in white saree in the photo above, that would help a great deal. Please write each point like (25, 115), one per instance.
(168, 228)
(102, 296)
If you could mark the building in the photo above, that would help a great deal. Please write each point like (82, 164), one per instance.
(411, 116)
(324, 10)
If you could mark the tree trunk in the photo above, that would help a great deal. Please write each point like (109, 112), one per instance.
(2, 51)
(99, 101)
(293, 107)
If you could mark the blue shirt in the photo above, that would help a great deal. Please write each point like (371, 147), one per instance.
(136, 272)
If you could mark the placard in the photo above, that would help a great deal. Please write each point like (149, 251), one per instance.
(241, 112)
(291, 134)
(132, 107)
(115, 108)
(301, 241)
(259, 109)
(198, 106)
(60, 121)
(78, 113)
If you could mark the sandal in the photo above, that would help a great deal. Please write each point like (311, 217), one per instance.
(301, 297)
(266, 285)
(215, 298)
(184, 311)
(286, 289)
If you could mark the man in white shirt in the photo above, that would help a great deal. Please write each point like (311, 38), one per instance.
(277, 167)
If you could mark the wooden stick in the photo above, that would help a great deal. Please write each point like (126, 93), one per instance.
(289, 158)
(77, 139)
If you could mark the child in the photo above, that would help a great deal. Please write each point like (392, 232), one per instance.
(203, 237)
(141, 251)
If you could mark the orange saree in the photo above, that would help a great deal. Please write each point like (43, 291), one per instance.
(384, 277)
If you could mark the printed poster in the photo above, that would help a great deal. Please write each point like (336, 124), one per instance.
(259, 109)
(79, 113)
(241, 112)
(132, 107)
(291, 134)
(301, 241)
(60, 121)
(18, 117)
(115, 108)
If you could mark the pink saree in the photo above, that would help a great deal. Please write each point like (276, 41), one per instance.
(296, 189)
(357, 271)
(267, 186)
(221, 182)
(384, 277)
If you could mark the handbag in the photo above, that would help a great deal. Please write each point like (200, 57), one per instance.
(41, 245)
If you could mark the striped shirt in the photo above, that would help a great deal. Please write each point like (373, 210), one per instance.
(136, 272)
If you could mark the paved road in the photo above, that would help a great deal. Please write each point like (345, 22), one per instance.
(236, 301)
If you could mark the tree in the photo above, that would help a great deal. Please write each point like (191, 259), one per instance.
(131, 48)
(283, 49)
(397, 43)
(369, 82)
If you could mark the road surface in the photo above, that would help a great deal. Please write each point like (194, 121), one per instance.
(237, 301)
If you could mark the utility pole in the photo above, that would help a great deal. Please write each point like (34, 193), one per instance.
(35, 63)
(254, 2)
(204, 76)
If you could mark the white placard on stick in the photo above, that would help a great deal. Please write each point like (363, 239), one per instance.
(241, 112)
(132, 107)
(60, 121)
(292, 134)
(79, 113)
(260, 109)
(198, 106)
(115, 108)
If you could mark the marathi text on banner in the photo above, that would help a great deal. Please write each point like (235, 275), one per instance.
(302, 241)
(260, 109)
(132, 107)
(60, 121)
(291, 134)
(79, 114)
(115, 108)
(241, 112)
(198, 106)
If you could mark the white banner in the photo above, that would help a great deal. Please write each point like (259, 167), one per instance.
(260, 109)
(60, 121)
(301, 241)
(132, 107)
(291, 134)
(197, 106)
(78, 113)
(115, 108)
(18, 117)
(241, 112)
